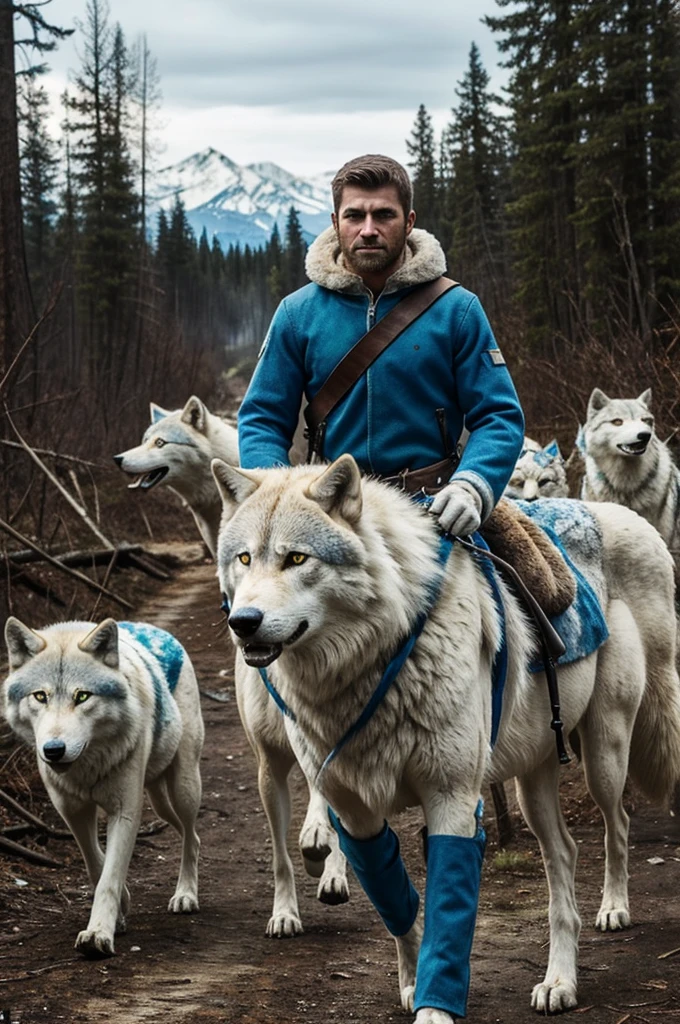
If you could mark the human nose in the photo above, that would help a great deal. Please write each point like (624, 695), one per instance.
(368, 227)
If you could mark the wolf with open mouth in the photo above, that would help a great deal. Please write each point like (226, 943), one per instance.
(627, 462)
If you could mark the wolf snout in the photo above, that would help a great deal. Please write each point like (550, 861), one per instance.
(54, 750)
(246, 621)
(118, 459)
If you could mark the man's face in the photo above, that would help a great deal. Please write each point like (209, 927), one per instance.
(372, 228)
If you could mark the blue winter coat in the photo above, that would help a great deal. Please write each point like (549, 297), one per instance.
(448, 358)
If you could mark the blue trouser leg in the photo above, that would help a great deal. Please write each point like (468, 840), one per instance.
(454, 866)
(378, 865)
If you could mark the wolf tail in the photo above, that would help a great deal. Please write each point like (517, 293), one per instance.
(655, 745)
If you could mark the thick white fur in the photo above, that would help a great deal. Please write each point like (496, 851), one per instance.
(204, 437)
(648, 482)
(370, 556)
(112, 753)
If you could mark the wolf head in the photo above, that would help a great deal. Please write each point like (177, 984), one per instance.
(64, 689)
(177, 449)
(539, 473)
(620, 428)
(295, 560)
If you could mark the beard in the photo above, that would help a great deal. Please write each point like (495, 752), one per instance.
(363, 258)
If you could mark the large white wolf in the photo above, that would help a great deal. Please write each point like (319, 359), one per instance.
(627, 462)
(327, 574)
(177, 450)
(110, 709)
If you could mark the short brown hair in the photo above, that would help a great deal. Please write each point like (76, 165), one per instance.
(370, 172)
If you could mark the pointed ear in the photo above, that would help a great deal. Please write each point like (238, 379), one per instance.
(157, 413)
(102, 643)
(22, 643)
(553, 449)
(338, 489)
(597, 401)
(646, 399)
(234, 485)
(195, 414)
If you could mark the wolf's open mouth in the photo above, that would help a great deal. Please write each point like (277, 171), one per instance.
(261, 655)
(148, 480)
(635, 448)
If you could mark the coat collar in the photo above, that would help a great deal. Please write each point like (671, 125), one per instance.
(424, 261)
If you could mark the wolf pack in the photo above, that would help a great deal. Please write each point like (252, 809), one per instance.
(335, 585)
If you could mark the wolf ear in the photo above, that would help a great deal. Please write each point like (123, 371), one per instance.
(102, 643)
(338, 489)
(646, 399)
(22, 643)
(157, 413)
(195, 414)
(597, 401)
(234, 485)
(553, 449)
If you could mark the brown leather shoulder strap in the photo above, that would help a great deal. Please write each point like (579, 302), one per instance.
(367, 349)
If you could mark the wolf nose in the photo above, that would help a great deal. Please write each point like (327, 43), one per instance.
(644, 435)
(246, 621)
(118, 459)
(54, 750)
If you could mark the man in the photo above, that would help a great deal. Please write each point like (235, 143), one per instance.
(447, 360)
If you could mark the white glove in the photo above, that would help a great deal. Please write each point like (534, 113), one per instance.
(459, 507)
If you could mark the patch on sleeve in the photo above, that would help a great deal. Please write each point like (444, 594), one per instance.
(496, 356)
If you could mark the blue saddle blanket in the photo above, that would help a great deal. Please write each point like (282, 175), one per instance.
(575, 532)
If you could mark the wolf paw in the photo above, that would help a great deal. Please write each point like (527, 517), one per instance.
(315, 846)
(95, 944)
(333, 890)
(407, 995)
(284, 926)
(555, 997)
(612, 920)
(429, 1016)
(183, 903)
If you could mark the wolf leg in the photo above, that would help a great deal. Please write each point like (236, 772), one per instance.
(176, 798)
(123, 823)
(606, 732)
(377, 864)
(272, 782)
(539, 802)
(82, 821)
(454, 866)
(321, 853)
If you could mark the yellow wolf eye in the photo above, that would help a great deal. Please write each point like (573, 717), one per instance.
(617, 423)
(159, 442)
(296, 558)
(244, 558)
(81, 696)
(40, 696)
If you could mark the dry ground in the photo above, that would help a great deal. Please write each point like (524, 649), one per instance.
(218, 966)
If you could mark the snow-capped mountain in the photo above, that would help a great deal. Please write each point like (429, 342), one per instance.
(241, 204)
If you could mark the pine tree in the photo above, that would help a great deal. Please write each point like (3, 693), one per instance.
(424, 171)
(294, 254)
(38, 181)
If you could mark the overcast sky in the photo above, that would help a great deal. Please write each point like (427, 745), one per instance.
(304, 83)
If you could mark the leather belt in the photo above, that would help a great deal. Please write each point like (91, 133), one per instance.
(429, 479)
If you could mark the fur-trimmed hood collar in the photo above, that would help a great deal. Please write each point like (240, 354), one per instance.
(424, 261)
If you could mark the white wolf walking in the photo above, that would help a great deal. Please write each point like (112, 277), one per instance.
(327, 573)
(177, 450)
(627, 462)
(110, 709)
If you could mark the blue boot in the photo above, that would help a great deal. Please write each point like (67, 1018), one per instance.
(378, 865)
(454, 866)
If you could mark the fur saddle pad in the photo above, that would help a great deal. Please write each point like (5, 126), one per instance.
(514, 536)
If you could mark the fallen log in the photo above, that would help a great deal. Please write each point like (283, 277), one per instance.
(98, 556)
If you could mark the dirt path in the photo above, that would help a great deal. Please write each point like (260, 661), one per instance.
(218, 966)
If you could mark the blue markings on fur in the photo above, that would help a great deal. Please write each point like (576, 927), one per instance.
(111, 689)
(575, 532)
(164, 657)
